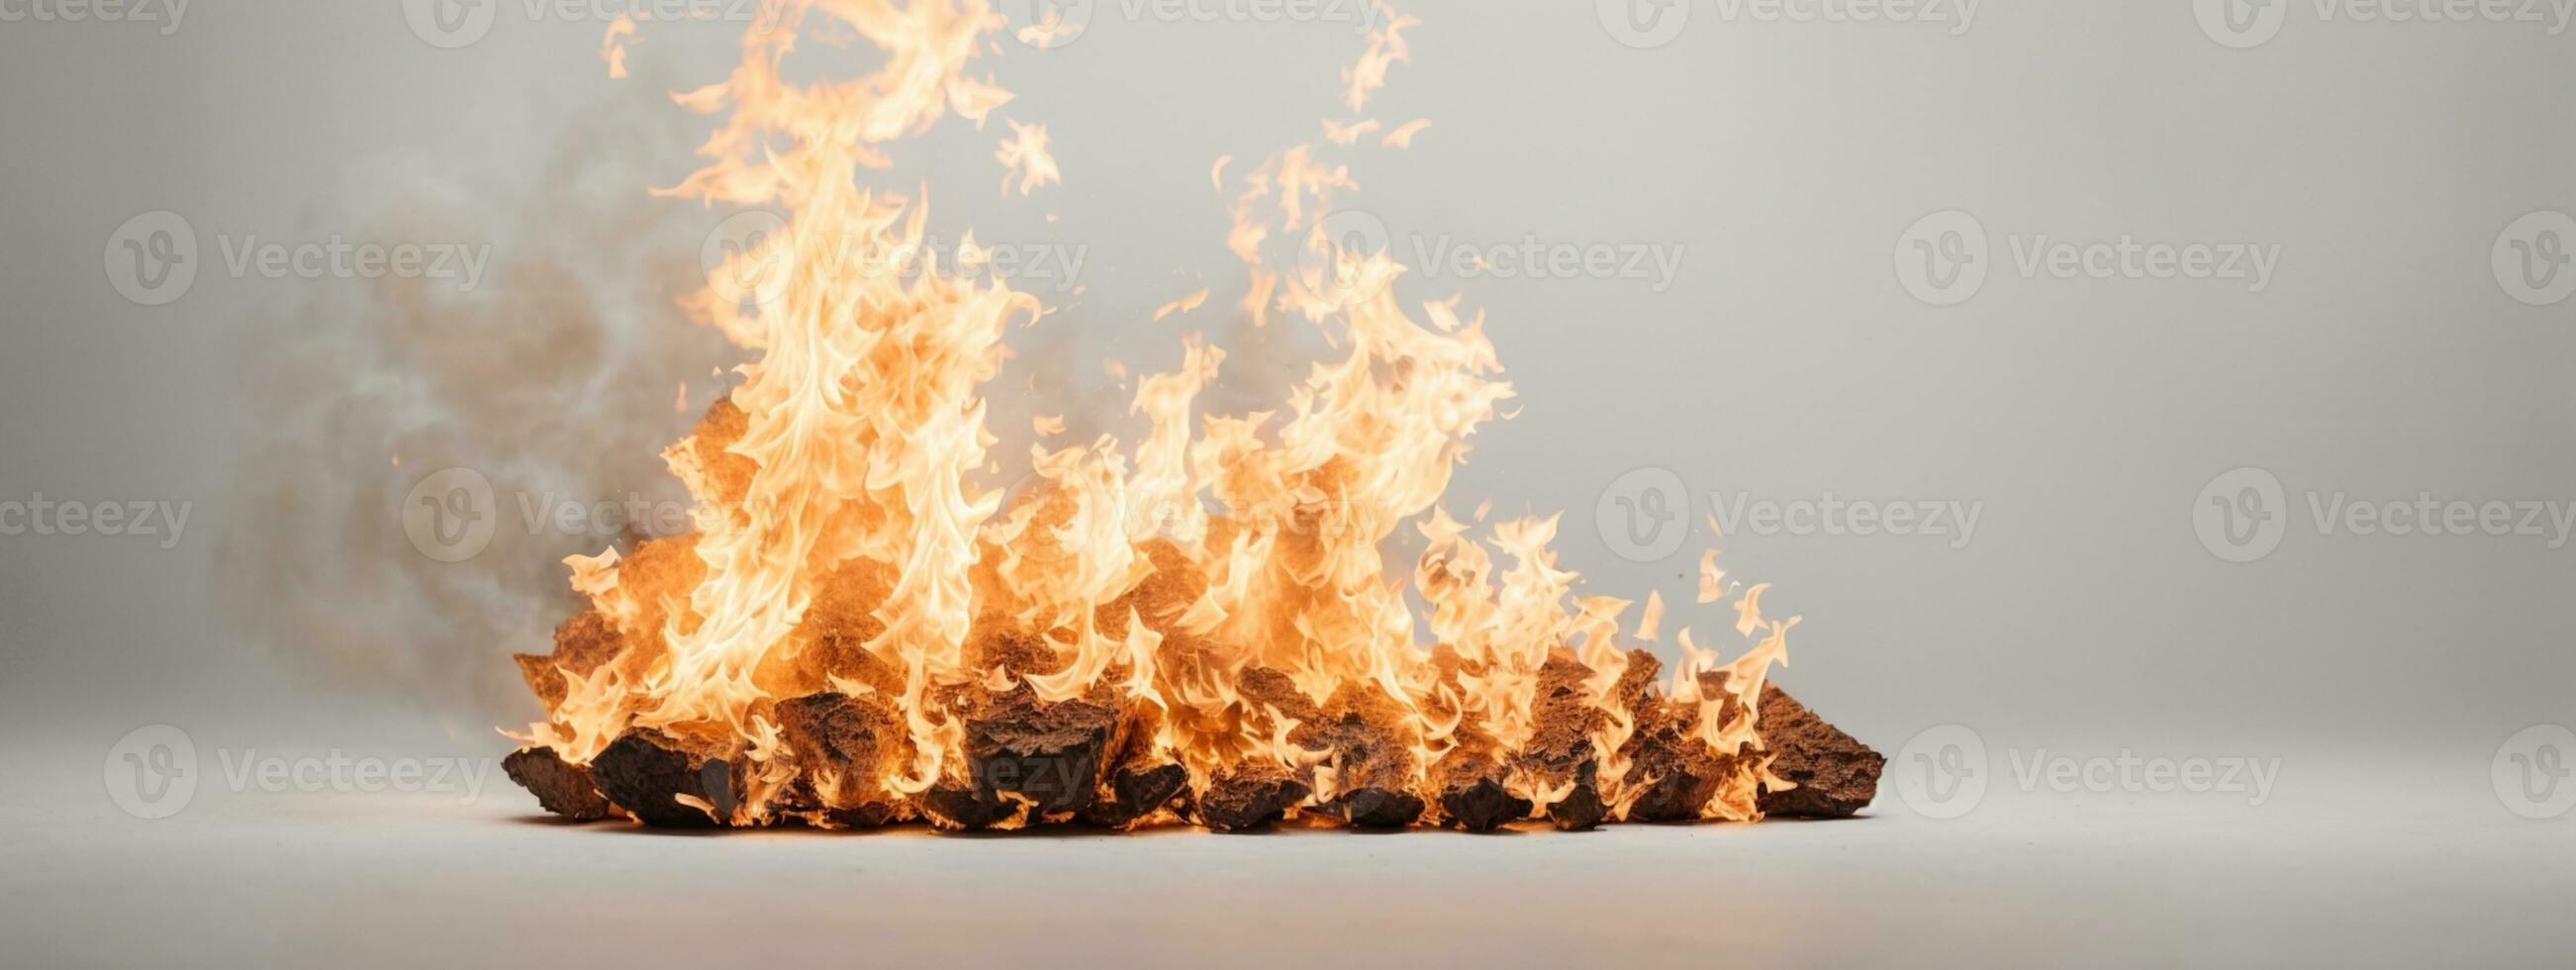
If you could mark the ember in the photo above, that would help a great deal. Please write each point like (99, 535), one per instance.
(1199, 629)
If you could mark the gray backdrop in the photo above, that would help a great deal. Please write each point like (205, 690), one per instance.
(2403, 342)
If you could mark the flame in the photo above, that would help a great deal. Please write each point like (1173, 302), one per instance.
(1025, 155)
(1220, 588)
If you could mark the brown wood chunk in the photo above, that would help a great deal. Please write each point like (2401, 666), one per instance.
(956, 805)
(645, 772)
(852, 742)
(1672, 772)
(1581, 808)
(1836, 775)
(1051, 754)
(1372, 758)
(1249, 797)
(561, 787)
(1560, 753)
(1026, 759)
(1472, 794)
(1136, 790)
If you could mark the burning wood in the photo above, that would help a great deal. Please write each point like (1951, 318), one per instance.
(663, 782)
(847, 747)
(1039, 762)
(1250, 796)
(1202, 627)
(1473, 795)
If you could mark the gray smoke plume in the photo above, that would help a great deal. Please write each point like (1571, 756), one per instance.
(558, 379)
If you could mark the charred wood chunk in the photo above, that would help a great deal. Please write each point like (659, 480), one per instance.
(1024, 758)
(1672, 772)
(840, 733)
(646, 772)
(1372, 759)
(1374, 807)
(1472, 796)
(1054, 756)
(1582, 807)
(1136, 790)
(1560, 753)
(956, 805)
(866, 816)
(798, 800)
(844, 748)
(561, 787)
(1249, 797)
(1836, 775)
(1145, 780)
(1637, 684)
(1265, 687)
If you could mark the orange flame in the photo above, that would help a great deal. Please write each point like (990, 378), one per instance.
(1221, 585)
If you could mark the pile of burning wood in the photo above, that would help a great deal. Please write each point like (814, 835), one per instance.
(1205, 624)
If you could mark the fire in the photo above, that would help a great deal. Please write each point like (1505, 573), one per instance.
(1200, 626)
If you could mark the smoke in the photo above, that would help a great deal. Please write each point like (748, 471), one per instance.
(559, 380)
